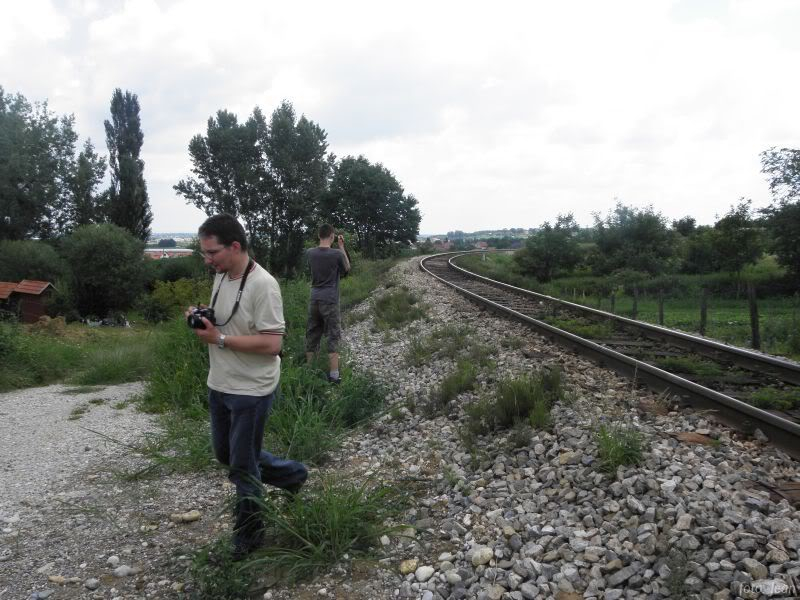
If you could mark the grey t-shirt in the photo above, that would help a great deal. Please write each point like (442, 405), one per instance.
(327, 265)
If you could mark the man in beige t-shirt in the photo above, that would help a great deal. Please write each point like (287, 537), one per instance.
(244, 343)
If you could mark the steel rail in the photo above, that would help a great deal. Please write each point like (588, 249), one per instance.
(777, 367)
(781, 432)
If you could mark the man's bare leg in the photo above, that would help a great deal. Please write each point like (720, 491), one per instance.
(333, 362)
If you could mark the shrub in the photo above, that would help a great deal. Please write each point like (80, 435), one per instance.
(618, 445)
(396, 309)
(529, 397)
(357, 398)
(775, 398)
(312, 531)
(30, 259)
(460, 380)
(108, 268)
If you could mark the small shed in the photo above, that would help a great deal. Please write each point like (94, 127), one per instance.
(28, 298)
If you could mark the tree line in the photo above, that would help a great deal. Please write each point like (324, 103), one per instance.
(277, 175)
(58, 222)
(48, 188)
(642, 243)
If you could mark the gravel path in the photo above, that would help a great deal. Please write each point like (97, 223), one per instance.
(516, 516)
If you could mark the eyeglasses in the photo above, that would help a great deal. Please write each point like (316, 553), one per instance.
(212, 253)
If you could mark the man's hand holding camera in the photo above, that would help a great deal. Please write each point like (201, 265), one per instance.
(197, 319)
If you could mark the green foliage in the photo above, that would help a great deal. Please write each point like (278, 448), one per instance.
(447, 341)
(178, 379)
(583, 328)
(539, 417)
(783, 169)
(170, 298)
(368, 200)
(87, 207)
(689, 365)
(173, 269)
(108, 268)
(215, 576)
(272, 174)
(309, 533)
(30, 259)
(783, 224)
(396, 309)
(29, 360)
(634, 239)
(358, 398)
(459, 381)
(619, 445)
(551, 250)
(517, 398)
(37, 160)
(302, 427)
(776, 398)
(126, 362)
(737, 242)
(128, 205)
(363, 278)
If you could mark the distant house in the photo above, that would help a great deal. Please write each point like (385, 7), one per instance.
(481, 245)
(28, 298)
(159, 253)
(442, 245)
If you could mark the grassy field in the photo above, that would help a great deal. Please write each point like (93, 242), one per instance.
(75, 354)
(728, 317)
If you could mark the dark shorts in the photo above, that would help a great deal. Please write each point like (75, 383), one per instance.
(323, 318)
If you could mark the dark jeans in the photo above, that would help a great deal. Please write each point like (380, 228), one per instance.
(237, 432)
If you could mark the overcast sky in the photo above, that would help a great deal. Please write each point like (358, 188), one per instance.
(492, 115)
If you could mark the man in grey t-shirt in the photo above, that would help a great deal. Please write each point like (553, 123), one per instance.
(327, 265)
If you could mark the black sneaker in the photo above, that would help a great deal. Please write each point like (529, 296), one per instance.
(243, 547)
(334, 381)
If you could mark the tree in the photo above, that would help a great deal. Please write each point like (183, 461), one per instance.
(30, 259)
(37, 151)
(297, 170)
(128, 205)
(633, 239)
(783, 170)
(552, 250)
(87, 205)
(736, 240)
(271, 174)
(783, 216)
(107, 266)
(368, 200)
(685, 226)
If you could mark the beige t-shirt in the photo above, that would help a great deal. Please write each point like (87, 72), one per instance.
(260, 310)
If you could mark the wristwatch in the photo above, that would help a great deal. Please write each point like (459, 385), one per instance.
(221, 340)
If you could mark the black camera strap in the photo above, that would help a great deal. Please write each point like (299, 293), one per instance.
(250, 264)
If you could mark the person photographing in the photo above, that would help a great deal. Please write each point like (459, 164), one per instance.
(244, 330)
(328, 265)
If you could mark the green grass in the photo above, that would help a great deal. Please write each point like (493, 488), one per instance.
(447, 341)
(775, 398)
(396, 309)
(728, 317)
(310, 532)
(583, 328)
(460, 380)
(80, 355)
(617, 446)
(83, 389)
(692, 365)
(528, 398)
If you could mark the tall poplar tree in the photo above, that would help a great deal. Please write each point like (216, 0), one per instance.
(128, 204)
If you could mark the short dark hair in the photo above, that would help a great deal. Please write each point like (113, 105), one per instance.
(325, 231)
(226, 229)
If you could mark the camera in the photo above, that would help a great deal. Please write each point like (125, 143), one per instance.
(195, 318)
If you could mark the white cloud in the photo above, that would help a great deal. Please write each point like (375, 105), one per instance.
(501, 116)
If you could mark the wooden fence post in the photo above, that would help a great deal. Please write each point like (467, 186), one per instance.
(660, 307)
(703, 311)
(635, 310)
(751, 299)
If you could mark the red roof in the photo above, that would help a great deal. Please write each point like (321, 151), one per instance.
(26, 286)
(6, 287)
(29, 286)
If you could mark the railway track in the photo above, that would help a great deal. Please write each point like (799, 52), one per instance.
(721, 378)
